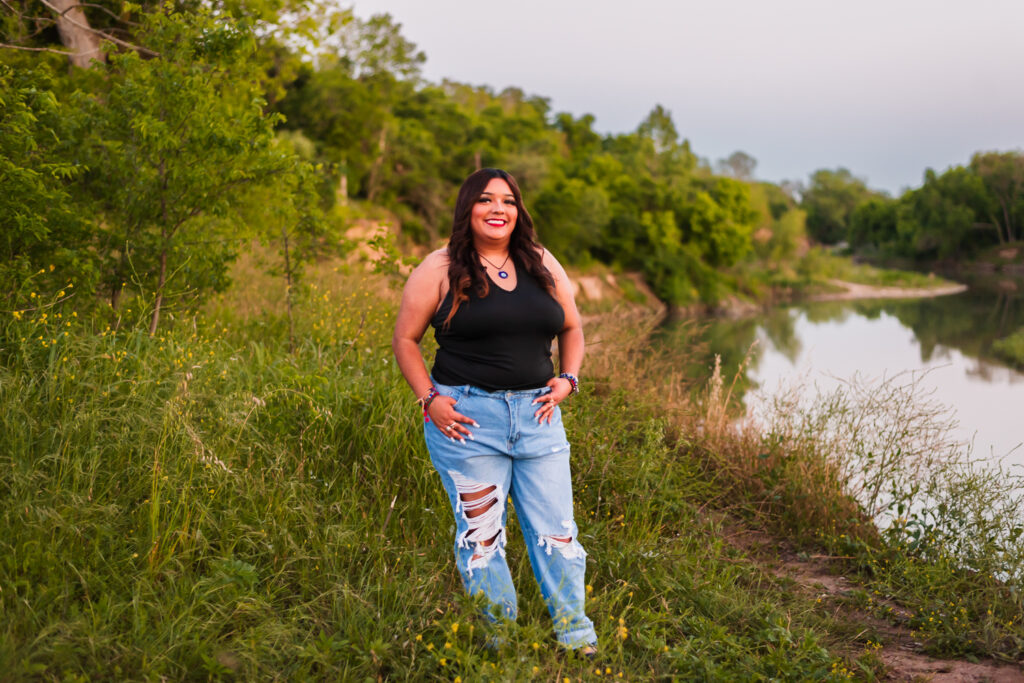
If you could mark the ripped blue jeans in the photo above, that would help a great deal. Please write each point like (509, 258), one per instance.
(512, 455)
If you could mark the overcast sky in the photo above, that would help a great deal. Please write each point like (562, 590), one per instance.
(884, 88)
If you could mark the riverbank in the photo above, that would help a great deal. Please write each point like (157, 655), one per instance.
(208, 504)
(597, 293)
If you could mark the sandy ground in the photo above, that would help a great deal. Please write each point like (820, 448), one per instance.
(857, 291)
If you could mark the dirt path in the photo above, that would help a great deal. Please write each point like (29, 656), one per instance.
(858, 291)
(900, 651)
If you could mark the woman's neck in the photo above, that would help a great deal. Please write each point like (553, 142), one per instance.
(492, 251)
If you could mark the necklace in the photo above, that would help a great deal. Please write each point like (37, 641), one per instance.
(501, 273)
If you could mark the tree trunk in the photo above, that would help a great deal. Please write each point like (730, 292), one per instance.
(76, 33)
(382, 146)
(343, 189)
(1006, 216)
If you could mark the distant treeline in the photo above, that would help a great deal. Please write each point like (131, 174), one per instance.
(190, 128)
(953, 215)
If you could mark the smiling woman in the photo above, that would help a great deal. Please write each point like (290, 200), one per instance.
(496, 299)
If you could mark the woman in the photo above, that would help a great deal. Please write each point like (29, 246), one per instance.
(496, 299)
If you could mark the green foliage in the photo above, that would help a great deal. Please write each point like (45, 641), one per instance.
(875, 225)
(940, 218)
(409, 148)
(952, 216)
(1011, 348)
(721, 222)
(173, 145)
(1003, 177)
(738, 165)
(39, 223)
(780, 233)
(829, 201)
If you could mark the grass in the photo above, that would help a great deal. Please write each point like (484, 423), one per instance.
(203, 504)
(822, 265)
(816, 272)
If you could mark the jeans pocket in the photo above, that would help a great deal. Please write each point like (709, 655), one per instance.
(455, 392)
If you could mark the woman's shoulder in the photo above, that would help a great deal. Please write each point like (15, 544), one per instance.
(431, 275)
(435, 263)
(550, 262)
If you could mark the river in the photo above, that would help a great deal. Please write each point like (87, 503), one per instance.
(944, 343)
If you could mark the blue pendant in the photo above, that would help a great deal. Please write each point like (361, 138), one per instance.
(502, 274)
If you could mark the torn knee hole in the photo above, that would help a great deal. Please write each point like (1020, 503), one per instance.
(486, 544)
(475, 511)
(482, 507)
(566, 545)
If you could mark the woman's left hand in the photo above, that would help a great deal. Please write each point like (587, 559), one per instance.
(560, 388)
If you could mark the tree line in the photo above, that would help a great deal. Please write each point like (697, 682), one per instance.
(954, 215)
(182, 131)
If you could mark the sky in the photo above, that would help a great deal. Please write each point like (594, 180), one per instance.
(885, 89)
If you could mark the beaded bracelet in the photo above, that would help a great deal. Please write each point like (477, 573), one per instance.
(573, 380)
(426, 400)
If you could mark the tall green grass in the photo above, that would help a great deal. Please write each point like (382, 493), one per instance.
(204, 504)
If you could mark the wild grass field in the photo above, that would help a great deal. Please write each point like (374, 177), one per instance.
(205, 504)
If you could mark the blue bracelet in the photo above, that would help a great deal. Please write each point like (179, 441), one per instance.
(573, 380)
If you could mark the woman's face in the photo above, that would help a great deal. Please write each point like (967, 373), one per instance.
(494, 214)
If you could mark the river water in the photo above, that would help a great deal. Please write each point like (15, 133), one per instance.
(944, 343)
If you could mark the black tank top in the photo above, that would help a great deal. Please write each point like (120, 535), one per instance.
(499, 342)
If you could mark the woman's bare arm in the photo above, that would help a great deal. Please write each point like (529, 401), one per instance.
(420, 299)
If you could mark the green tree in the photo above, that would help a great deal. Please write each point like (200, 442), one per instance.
(941, 218)
(1003, 178)
(173, 144)
(721, 222)
(874, 226)
(738, 165)
(829, 201)
(779, 232)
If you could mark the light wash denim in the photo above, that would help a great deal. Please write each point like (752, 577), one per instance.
(512, 455)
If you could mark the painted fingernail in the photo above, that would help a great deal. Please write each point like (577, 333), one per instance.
(471, 437)
(475, 424)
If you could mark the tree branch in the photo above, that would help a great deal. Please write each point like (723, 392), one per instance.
(35, 49)
(90, 29)
(105, 10)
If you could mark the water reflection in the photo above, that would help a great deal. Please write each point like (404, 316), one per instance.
(947, 338)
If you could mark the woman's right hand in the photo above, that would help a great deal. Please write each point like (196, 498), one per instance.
(449, 421)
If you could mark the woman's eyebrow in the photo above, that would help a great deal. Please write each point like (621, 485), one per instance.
(506, 196)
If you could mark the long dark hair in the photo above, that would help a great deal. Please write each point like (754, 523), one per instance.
(464, 268)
